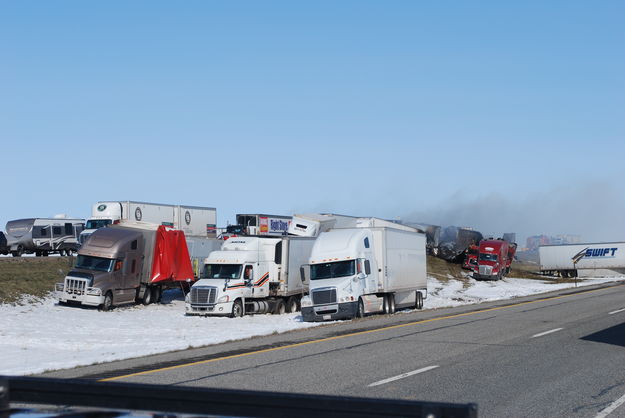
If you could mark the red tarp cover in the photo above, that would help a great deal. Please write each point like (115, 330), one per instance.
(171, 257)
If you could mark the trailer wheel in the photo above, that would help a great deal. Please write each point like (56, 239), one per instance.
(107, 305)
(18, 252)
(37, 253)
(237, 309)
(156, 294)
(419, 300)
(360, 313)
(147, 296)
(291, 304)
(280, 307)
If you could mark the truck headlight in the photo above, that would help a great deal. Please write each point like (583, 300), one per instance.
(223, 299)
(306, 301)
(93, 291)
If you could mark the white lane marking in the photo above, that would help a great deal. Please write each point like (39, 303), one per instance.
(545, 333)
(613, 312)
(402, 376)
(620, 401)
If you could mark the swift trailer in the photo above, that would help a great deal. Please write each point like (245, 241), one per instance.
(259, 224)
(126, 263)
(43, 236)
(194, 221)
(602, 259)
(252, 275)
(362, 270)
(312, 224)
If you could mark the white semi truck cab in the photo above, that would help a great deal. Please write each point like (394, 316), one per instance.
(356, 271)
(251, 275)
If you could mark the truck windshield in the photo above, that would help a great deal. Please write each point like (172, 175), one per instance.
(88, 262)
(331, 270)
(222, 271)
(488, 257)
(97, 223)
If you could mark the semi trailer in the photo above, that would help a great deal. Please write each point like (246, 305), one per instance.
(312, 224)
(130, 262)
(362, 270)
(43, 236)
(602, 259)
(259, 224)
(251, 275)
(194, 221)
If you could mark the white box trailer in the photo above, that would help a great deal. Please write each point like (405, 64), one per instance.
(603, 259)
(194, 221)
(356, 271)
(260, 224)
(251, 275)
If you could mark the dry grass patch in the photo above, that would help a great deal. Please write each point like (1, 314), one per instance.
(34, 276)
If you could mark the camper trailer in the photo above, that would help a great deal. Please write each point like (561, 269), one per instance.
(43, 236)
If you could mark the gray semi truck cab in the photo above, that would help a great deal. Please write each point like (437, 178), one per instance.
(108, 270)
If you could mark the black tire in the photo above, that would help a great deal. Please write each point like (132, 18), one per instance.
(237, 309)
(279, 308)
(18, 252)
(37, 253)
(418, 300)
(156, 294)
(107, 305)
(391, 304)
(292, 305)
(386, 305)
(360, 312)
(147, 296)
(45, 254)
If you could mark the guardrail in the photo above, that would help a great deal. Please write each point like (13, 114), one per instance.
(206, 401)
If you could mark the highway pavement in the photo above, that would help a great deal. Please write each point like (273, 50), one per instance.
(556, 355)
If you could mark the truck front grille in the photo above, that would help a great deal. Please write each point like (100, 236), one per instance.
(203, 295)
(486, 270)
(75, 286)
(320, 297)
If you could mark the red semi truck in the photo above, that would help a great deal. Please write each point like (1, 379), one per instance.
(494, 259)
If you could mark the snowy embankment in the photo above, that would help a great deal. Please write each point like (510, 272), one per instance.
(39, 335)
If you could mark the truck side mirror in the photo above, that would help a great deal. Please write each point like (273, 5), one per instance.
(302, 274)
(367, 267)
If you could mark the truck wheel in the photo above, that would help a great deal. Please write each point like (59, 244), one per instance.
(291, 304)
(37, 253)
(391, 303)
(237, 309)
(107, 305)
(386, 305)
(18, 253)
(156, 294)
(45, 254)
(360, 313)
(147, 296)
(280, 307)
(419, 301)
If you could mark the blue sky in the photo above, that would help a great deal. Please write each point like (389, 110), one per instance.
(493, 115)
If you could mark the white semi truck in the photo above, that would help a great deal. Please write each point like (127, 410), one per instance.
(194, 221)
(252, 275)
(601, 259)
(378, 266)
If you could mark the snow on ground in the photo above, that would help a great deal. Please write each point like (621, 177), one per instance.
(39, 335)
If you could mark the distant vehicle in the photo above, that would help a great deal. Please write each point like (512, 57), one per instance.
(371, 268)
(493, 262)
(600, 259)
(126, 263)
(194, 221)
(260, 224)
(43, 236)
(4, 248)
(312, 224)
(251, 275)
(454, 242)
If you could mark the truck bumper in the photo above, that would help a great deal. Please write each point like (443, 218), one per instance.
(88, 300)
(331, 312)
(478, 276)
(206, 310)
